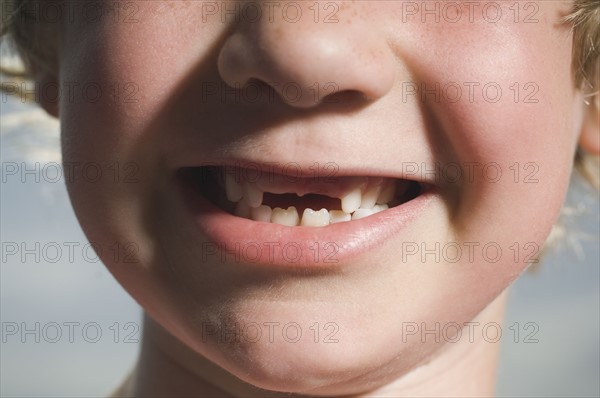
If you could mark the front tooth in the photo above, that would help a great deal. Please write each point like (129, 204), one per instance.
(387, 193)
(287, 217)
(370, 197)
(362, 213)
(311, 218)
(378, 208)
(252, 194)
(242, 209)
(261, 213)
(351, 201)
(233, 188)
(336, 216)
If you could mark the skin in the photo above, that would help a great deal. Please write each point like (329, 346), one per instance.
(368, 53)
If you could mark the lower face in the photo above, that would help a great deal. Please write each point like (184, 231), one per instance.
(293, 244)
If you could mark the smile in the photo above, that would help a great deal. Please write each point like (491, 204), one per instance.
(235, 207)
(295, 201)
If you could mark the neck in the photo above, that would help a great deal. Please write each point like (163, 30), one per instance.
(167, 367)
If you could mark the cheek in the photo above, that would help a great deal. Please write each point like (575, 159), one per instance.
(136, 67)
(120, 77)
(509, 129)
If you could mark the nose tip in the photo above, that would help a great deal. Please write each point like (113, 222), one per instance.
(305, 67)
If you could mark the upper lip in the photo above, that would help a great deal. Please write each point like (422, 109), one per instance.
(323, 170)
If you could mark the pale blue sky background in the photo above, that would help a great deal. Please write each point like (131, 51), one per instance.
(562, 298)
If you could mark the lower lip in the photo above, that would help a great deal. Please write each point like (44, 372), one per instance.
(234, 239)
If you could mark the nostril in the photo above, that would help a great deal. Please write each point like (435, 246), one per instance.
(255, 90)
(296, 94)
(309, 96)
(327, 66)
(346, 97)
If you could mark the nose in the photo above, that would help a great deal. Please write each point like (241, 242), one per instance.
(307, 61)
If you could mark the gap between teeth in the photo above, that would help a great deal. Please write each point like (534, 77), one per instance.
(310, 217)
(356, 204)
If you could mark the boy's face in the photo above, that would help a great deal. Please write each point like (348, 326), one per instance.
(483, 89)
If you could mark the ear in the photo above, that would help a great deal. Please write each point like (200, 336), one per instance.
(589, 139)
(48, 92)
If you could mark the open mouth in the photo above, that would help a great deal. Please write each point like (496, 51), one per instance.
(298, 201)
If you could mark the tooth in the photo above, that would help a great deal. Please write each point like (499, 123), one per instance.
(369, 197)
(362, 213)
(311, 218)
(287, 217)
(242, 209)
(261, 213)
(351, 201)
(336, 216)
(387, 193)
(252, 194)
(378, 208)
(232, 188)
